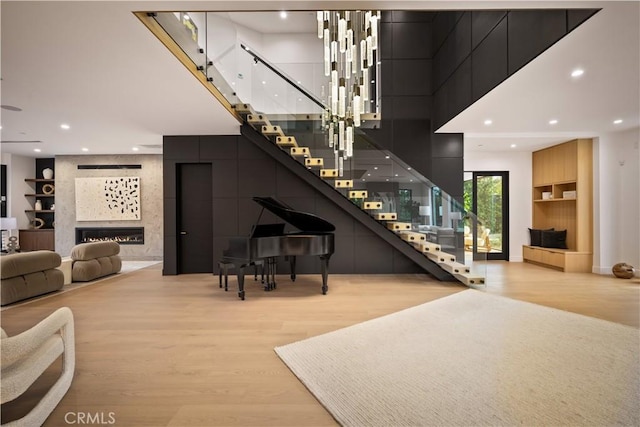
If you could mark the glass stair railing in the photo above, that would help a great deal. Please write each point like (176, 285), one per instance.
(404, 202)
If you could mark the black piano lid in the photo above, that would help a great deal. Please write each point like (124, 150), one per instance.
(303, 221)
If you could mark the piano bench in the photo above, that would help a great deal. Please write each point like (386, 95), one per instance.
(224, 266)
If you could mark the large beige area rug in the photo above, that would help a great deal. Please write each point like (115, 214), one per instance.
(473, 359)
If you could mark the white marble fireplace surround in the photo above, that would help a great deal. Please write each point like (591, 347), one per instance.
(66, 171)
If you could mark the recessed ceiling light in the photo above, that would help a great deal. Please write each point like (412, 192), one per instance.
(375, 168)
(135, 148)
(264, 82)
(577, 72)
(363, 179)
(396, 175)
(386, 157)
(65, 126)
(37, 150)
(387, 179)
(617, 121)
(553, 122)
(283, 15)
(513, 145)
(488, 122)
(85, 149)
(409, 169)
(368, 174)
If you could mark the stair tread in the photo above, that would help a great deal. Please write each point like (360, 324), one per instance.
(258, 120)
(328, 173)
(372, 205)
(454, 267)
(286, 141)
(300, 151)
(412, 236)
(343, 183)
(314, 161)
(385, 216)
(244, 109)
(439, 257)
(272, 131)
(358, 194)
(470, 278)
(429, 247)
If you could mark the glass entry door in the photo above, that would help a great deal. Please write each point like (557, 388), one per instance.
(486, 194)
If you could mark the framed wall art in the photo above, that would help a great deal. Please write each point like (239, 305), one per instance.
(108, 199)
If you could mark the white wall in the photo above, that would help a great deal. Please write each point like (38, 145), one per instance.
(518, 164)
(300, 57)
(616, 200)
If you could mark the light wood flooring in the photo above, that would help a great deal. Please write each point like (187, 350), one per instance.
(157, 350)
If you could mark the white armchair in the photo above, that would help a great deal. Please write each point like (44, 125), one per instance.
(27, 355)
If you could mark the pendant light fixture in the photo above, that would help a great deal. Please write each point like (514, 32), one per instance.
(350, 41)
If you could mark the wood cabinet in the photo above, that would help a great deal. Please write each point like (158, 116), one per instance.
(37, 239)
(563, 199)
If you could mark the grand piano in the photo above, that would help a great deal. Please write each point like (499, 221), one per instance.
(267, 242)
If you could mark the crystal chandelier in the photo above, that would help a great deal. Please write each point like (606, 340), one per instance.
(350, 54)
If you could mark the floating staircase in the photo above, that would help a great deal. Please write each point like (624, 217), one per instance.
(258, 126)
(418, 241)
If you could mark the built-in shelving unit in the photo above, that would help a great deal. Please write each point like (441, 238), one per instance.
(41, 233)
(563, 199)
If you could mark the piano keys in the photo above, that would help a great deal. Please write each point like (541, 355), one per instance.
(267, 242)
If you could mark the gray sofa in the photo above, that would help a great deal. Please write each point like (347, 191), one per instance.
(95, 260)
(29, 274)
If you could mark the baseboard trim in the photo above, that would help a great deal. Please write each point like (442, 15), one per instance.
(606, 271)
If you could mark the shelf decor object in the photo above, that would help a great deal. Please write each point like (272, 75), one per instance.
(48, 188)
(8, 225)
(47, 173)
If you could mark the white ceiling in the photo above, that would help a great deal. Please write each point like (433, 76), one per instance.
(94, 66)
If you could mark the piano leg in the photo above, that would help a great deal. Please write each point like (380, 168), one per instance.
(292, 263)
(271, 274)
(223, 269)
(324, 264)
(240, 269)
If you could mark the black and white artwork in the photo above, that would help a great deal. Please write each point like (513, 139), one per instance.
(108, 199)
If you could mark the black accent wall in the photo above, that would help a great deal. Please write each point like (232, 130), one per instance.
(241, 171)
(474, 51)
(407, 90)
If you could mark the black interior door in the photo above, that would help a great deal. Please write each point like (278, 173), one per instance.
(195, 218)
(3, 192)
(491, 205)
